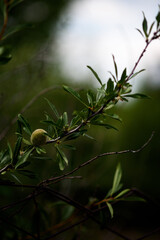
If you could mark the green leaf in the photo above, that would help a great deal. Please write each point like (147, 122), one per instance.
(5, 158)
(145, 25)
(134, 199)
(150, 30)
(16, 29)
(42, 158)
(90, 97)
(135, 74)
(137, 95)
(140, 32)
(24, 158)
(15, 177)
(75, 94)
(67, 146)
(101, 123)
(27, 173)
(76, 120)
(158, 19)
(123, 76)
(110, 209)
(116, 180)
(88, 136)
(122, 193)
(96, 75)
(25, 124)
(63, 161)
(67, 211)
(100, 93)
(17, 149)
(65, 119)
(10, 151)
(51, 122)
(5, 54)
(53, 108)
(19, 128)
(110, 86)
(25, 141)
(113, 76)
(113, 116)
(73, 136)
(40, 150)
(115, 67)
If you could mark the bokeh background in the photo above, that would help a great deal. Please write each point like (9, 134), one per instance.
(66, 36)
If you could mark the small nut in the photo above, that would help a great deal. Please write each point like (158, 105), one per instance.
(38, 137)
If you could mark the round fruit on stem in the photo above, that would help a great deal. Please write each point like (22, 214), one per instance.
(39, 137)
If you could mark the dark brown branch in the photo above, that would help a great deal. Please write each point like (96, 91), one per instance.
(87, 211)
(148, 42)
(54, 179)
(149, 234)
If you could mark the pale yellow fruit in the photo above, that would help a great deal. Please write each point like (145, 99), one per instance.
(38, 137)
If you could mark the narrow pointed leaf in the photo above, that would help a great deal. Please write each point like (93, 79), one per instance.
(25, 124)
(65, 118)
(115, 67)
(10, 151)
(17, 29)
(134, 199)
(135, 74)
(150, 30)
(17, 150)
(110, 86)
(110, 209)
(140, 32)
(75, 94)
(122, 193)
(53, 108)
(123, 76)
(145, 25)
(95, 74)
(63, 161)
(90, 98)
(137, 95)
(24, 158)
(117, 179)
(113, 116)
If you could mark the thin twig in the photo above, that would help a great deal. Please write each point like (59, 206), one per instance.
(85, 210)
(54, 179)
(149, 234)
(148, 42)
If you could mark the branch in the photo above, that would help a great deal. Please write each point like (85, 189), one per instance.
(82, 124)
(149, 234)
(90, 214)
(54, 179)
(148, 42)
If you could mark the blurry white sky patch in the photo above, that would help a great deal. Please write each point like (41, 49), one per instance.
(96, 29)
